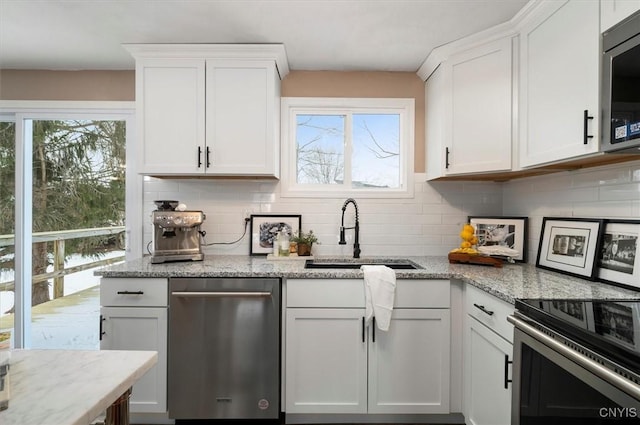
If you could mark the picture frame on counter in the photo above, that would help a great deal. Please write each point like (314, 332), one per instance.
(509, 232)
(265, 227)
(619, 262)
(571, 245)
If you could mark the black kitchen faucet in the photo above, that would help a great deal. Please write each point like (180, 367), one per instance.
(356, 227)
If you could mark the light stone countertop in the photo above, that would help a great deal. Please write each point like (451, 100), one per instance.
(69, 387)
(510, 282)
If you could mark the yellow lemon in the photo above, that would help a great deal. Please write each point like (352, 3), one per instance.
(466, 235)
(465, 244)
(468, 228)
(474, 241)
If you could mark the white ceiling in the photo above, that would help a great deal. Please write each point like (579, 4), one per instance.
(376, 35)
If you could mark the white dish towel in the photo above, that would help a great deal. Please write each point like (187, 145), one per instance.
(379, 293)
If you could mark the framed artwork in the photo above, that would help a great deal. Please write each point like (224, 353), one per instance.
(264, 229)
(509, 232)
(618, 262)
(570, 245)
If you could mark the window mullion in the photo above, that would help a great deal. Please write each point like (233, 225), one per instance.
(348, 149)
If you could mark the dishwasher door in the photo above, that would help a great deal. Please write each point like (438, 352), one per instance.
(224, 348)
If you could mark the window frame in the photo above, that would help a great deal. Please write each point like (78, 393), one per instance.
(291, 107)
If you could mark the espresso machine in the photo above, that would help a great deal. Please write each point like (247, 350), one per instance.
(176, 234)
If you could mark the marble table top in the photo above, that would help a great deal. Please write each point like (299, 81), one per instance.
(69, 387)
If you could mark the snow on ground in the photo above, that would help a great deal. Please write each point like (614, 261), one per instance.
(70, 322)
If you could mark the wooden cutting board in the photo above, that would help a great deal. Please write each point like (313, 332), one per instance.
(458, 257)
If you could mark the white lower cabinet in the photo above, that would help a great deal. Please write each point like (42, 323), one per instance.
(487, 356)
(134, 317)
(488, 396)
(334, 365)
(326, 361)
(409, 365)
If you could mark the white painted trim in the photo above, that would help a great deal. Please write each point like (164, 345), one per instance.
(275, 52)
(23, 230)
(73, 106)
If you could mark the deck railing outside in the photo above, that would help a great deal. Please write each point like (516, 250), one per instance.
(59, 271)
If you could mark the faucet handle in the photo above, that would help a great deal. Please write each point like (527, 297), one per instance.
(342, 239)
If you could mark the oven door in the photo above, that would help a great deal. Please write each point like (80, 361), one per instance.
(555, 384)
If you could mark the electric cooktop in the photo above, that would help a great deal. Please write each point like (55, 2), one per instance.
(611, 328)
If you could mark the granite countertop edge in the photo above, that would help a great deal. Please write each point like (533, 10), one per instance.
(510, 282)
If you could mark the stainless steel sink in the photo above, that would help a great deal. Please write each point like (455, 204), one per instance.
(355, 263)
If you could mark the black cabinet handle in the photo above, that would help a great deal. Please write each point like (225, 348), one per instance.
(446, 158)
(102, 319)
(363, 327)
(507, 362)
(587, 118)
(373, 330)
(208, 156)
(199, 157)
(130, 293)
(483, 309)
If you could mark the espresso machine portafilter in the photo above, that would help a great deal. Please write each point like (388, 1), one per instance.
(176, 234)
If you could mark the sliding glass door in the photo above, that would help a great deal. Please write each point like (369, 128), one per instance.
(71, 189)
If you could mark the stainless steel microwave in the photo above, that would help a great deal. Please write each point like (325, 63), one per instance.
(620, 94)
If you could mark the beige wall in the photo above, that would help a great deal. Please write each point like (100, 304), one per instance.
(120, 86)
(67, 85)
(363, 84)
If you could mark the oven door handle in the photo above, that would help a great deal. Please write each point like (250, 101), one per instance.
(206, 294)
(590, 365)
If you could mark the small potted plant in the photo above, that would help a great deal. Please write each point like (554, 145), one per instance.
(305, 241)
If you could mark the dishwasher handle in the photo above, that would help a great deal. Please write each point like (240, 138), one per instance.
(220, 294)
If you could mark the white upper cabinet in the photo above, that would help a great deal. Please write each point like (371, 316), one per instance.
(559, 80)
(243, 117)
(613, 12)
(170, 106)
(469, 111)
(209, 109)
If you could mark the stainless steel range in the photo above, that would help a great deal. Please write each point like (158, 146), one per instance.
(576, 362)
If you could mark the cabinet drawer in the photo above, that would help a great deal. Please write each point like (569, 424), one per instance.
(349, 293)
(134, 292)
(490, 311)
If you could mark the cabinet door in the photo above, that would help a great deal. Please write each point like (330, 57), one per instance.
(326, 367)
(242, 117)
(613, 12)
(138, 328)
(437, 106)
(409, 364)
(487, 401)
(170, 109)
(480, 131)
(560, 54)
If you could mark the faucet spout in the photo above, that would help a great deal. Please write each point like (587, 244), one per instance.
(356, 228)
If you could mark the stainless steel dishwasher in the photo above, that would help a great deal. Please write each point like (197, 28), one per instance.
(224, 348)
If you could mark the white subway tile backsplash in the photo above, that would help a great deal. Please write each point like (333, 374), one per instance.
(625, 191)
(602, 192)
(427, 224)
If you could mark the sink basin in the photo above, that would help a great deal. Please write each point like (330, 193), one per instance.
(355, 263)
